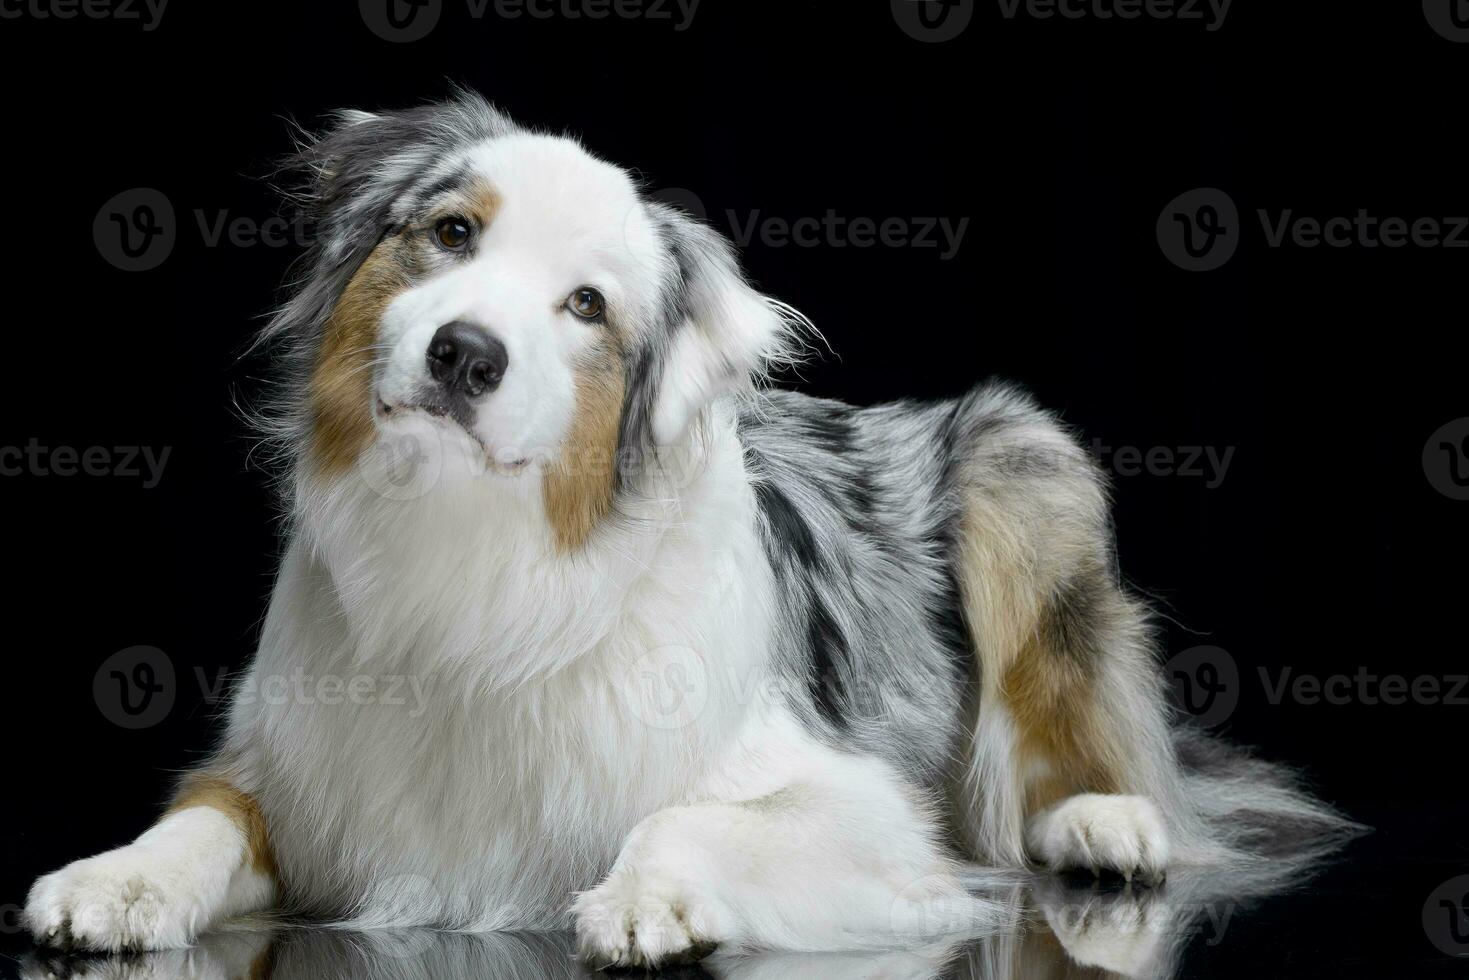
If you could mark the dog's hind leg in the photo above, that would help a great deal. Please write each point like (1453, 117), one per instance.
(1071, 761)
(207, 858)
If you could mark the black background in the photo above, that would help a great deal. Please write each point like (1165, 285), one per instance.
(1324, 549)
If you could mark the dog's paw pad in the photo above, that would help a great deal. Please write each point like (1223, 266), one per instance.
(1100, 833)
(631, 921)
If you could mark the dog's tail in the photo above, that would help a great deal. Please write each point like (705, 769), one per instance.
(1255, 817)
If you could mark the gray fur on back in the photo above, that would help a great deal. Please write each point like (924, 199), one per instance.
(859, 511)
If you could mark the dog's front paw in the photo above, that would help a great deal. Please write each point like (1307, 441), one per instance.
(115, 901)
(644, 920)
(1115, 833)
(173, 964)
(216, 956)
(1122, 932)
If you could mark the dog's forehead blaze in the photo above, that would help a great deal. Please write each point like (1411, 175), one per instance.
(577, 489)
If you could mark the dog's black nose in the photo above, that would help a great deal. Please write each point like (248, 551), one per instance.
(466, 359)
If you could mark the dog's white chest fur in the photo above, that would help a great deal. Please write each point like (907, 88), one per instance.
(471, 728)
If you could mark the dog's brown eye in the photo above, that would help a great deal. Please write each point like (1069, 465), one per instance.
(452, 233)
(586, 303)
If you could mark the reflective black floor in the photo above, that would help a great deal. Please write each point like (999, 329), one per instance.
(1394, 904)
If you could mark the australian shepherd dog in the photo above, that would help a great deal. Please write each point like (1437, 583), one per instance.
(683, 661)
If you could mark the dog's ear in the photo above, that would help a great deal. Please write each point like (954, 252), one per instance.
(345, 193)
(726, 335)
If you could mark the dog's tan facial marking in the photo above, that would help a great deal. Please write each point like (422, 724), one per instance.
(341, 385)
(578, 486)
(222, 795)
(478, 203)
(483, 203)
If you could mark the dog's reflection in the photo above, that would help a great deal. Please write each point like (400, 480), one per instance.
(1053, 929)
